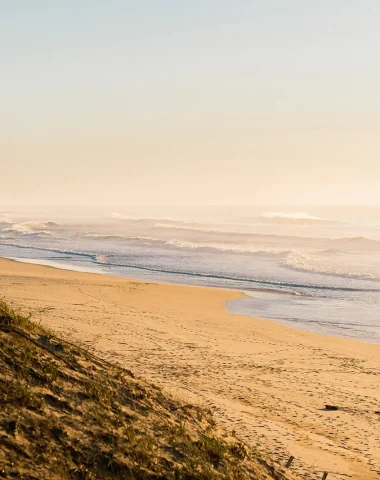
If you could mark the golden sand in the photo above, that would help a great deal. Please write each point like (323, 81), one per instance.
(267, 382)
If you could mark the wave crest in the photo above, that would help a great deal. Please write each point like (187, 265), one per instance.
(292, 217)
(35, 228)
(308, 263)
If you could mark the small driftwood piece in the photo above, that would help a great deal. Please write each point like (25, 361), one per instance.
(289, 462)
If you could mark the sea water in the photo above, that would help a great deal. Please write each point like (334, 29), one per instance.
(314, 268)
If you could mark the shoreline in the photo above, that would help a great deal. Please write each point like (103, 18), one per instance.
(266, 381)
(239, 311)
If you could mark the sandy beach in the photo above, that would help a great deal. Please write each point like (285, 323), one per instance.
(267, 382)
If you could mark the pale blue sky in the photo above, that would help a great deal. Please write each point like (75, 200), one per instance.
(173, 96)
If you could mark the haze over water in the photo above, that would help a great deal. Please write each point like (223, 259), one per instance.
(314, 268)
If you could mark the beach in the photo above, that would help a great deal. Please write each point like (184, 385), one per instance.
(318, 270)
(267, 382)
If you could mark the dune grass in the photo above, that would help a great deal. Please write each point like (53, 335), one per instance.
(67, 414)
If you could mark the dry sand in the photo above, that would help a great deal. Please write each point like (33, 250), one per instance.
(267, 382)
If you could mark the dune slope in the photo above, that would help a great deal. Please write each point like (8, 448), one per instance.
(67, 414)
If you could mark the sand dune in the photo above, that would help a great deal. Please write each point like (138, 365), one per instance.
(267, 382)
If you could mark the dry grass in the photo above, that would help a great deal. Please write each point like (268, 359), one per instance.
(66, 414)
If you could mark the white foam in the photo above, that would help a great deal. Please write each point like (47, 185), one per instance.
(227, 247)
(31, 227)
(340, 264)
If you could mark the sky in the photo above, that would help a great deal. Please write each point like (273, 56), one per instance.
(208, 102)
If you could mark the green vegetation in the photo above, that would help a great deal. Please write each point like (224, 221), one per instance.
(67, 414)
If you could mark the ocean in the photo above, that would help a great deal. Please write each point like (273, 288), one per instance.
(312, 268)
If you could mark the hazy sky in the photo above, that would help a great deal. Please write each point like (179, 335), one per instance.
(189, 102)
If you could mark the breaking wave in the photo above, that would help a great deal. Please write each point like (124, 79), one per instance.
(99, 236)
(226, 247)
(119, 216)
(32, 228)
(314, 264)
(292, 218)
(191, 226)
